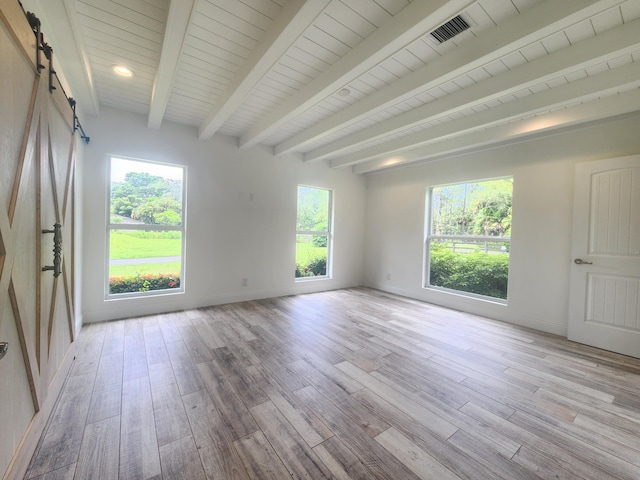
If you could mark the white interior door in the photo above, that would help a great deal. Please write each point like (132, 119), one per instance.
(604, 308)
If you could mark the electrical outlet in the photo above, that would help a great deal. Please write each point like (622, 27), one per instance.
(244, 282)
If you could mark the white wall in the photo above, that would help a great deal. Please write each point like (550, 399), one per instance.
(541, 231)
(229, 236)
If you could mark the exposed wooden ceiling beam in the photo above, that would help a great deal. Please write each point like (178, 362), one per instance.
(532, 25)
(294, 19)
(175, 33)
(585, 89)
(606, 107)
(613, 43)
(410, 23)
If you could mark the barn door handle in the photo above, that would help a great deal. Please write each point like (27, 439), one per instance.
(57, 250)
(579, 261)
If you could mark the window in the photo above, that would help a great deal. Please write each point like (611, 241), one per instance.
(145, 230)
(469, 237)
(313, 233)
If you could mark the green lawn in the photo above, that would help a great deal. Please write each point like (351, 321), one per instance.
(131, 244)
(307, 251)
(170, 268)
(125, 244)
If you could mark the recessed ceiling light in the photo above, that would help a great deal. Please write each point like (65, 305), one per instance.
(122, 71)
(344, 92)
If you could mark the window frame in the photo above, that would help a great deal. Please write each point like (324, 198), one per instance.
(328, 233)
(182, 228)
(429, 237)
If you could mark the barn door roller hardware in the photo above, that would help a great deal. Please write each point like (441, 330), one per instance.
(43, 47)
(57, 250)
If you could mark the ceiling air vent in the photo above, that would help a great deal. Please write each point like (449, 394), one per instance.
(450, 29)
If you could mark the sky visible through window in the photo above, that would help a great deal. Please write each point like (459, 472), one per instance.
(121, 166)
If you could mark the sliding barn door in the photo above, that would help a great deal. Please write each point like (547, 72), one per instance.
(36, 231)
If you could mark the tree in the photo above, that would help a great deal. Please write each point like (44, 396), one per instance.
(492, 206)
(148, 198)
(482, 208)
(165, 211)
(313, 209)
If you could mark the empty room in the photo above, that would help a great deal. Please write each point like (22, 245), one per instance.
(324, 239)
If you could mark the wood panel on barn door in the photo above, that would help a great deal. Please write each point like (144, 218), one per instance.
(36, 191)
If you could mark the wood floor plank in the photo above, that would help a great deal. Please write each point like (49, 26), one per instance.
(439, 375)
(502, 467)
(207, 332)
(135, 358)
(259, 459)
(368, 421)
(296, 455)
(62, 438)
(611, 464)
(105, 403)
(155, 347)
(235, 414)
(168, 409)
(219, 457)
(493, 439)
(180, 460)
(613, 433)
(139, 457)
(234, 370)
(134, 326)
(107, 391)
(168, 326)
(238, 346)
(98, 456)
(415, 410)
(310, 427)
(556, 384)
(567, 459)
(416, 459)
(337, 470)
(376, 458)
(63, 473)
(183, 366)
(344, 381)
(198, 350)
(545, 466)
(620, 417)
(346, 384)
(445, 453)
(88, 350)
(114, 338)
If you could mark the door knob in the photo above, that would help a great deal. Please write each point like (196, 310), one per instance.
(579, 261)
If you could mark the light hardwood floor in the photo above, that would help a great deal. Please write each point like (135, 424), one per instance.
(345, 384)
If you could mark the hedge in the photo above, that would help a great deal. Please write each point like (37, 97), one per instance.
(143, 283)
(477, 272)
(316, 267)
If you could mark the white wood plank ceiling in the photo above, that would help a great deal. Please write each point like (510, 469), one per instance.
(359, 84)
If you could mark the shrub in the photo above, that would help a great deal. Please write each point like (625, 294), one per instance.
(477, 272)
(319, 240)
(317, 266)
(143, 283)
